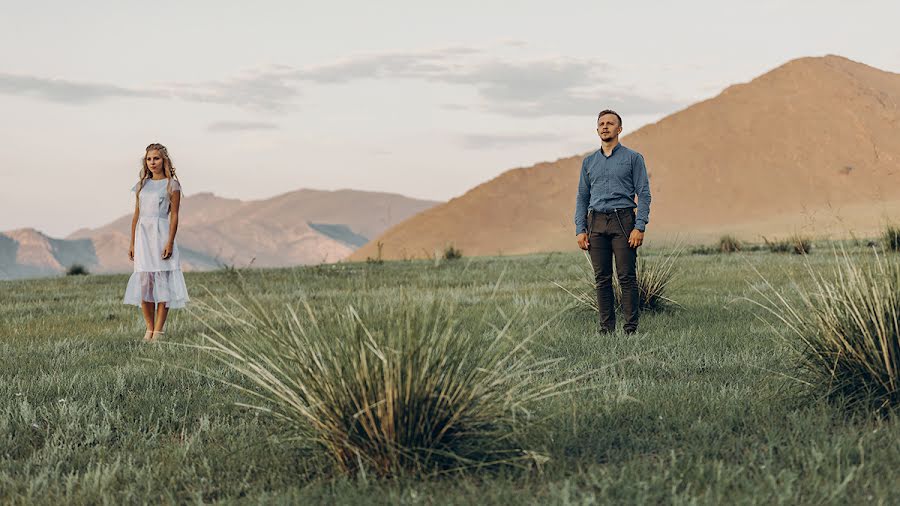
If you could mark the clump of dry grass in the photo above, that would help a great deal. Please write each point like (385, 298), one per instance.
(729, 244)
(393, 388)
(452, 253)
(797, 245)
(891, 238)
(847, 325)
(654, 278)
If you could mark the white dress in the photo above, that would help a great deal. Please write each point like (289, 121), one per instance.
(154, 279)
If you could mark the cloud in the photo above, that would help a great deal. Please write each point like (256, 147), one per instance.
(409, 65)
(269, 89)
(491, 141)
(241, 126)
(548, 86)
(261, 90)
(539, 87)
(66, 92)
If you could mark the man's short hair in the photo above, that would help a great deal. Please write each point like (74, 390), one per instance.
(610, 111)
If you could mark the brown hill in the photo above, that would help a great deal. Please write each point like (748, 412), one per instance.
(300, 227)
(28, 253)
(810, 147)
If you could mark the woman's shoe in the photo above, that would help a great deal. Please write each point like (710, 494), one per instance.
(155, 335)
(148, 336)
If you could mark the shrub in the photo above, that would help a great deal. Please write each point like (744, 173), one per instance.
(391, 389)
(653, 278)
(704, 250)
(729, 244)
(797, 245)
(891, 238)
(378, 256)
(77, 270)
(846, 330)
(451, 253)
(801, 245)
(779, 246)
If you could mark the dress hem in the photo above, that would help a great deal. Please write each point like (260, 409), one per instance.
(157, 287)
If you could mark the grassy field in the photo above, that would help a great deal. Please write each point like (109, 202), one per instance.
(699, 407)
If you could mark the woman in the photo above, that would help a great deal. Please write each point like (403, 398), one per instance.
(157, 283)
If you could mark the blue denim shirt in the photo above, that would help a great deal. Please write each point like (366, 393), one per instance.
(611, 182)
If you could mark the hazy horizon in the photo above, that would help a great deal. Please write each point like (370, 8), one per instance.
(254, 102)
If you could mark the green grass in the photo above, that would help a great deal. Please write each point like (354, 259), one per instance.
(698, 408)
(846, 330)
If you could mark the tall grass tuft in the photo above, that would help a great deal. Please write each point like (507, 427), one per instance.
(654, 278)
(891, 238)
(452, 253)
(847, 327)
(797, 245)
(389, 389)
(729, 244)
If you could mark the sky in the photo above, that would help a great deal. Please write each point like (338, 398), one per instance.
(425, 99)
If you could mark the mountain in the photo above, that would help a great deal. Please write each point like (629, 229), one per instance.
(810, 147)
(299, 227)
(28, 253)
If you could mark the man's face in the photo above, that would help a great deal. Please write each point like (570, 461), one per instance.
(608, 127)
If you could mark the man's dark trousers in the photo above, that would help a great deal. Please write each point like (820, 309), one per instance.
(608, 237)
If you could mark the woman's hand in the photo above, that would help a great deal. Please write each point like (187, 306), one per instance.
(131, 253)
(167, 251)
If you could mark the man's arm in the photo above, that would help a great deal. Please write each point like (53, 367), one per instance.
(642, 189)
(582, 200)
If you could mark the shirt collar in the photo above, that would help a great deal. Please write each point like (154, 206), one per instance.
(616, 148)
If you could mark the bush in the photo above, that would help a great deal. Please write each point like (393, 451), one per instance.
(891, 238)
(779, 246)
(391, 389)
(704, 250)
(77, 270)
(846, 330)
(378, 256)
(801, 245)
(797, 245)
(451, 253)
(653, 278)
(729, 244)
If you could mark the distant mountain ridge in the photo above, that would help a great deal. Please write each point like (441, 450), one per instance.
(810, 147)
(294, 228)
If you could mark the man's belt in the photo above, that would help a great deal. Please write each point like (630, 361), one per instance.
(610, 213)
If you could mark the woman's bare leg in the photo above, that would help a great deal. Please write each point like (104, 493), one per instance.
(147, 308)
(161, 313)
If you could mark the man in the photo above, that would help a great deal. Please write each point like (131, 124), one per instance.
(605, 219)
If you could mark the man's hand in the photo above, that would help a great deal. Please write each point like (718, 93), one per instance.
(636, 238)
(583, 242)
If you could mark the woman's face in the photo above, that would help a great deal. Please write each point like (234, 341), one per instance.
(155, 163)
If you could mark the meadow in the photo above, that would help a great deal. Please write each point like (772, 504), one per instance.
(703, 405)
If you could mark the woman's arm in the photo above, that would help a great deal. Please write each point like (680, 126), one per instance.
(173, 223)
(134, 220)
